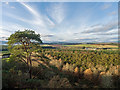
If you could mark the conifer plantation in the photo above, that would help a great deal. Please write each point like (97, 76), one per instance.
(29, 63)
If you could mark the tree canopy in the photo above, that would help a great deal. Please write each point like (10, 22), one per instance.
(21, 45)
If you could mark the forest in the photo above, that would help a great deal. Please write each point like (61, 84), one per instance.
(32, 65)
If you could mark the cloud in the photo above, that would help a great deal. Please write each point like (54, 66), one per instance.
(7, 3)
(12, 7)
(50, 35)
(39, 19)
(75, 33)
(35, 13)
(102, 28)
(61, 40)
(112, 32)
(40, 23)
(51, 27)
(106, 6)
(57, 12)
(10, 28)
(86, 38)
(96, 39)
(0, 27)
(113, 13)
(3, 38)
(51, 23)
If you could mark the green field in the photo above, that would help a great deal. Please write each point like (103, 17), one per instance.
(93, 46)
(5, 52)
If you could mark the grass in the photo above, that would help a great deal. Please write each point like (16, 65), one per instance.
(45, 45)
(94, 46)
(5, 52)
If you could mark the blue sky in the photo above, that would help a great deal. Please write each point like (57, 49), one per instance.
(62, 21)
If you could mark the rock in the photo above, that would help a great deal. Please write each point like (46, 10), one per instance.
(88, 74)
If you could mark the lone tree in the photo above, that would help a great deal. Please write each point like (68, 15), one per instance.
(21, 44)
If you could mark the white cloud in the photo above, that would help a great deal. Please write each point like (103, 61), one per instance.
(106, 6)
(0, 27)
(18, 18)
(31, 9)
(39, 19)
(10, 28)
(40, 23)
(102, 28)
(44, 25)
(7, 3)
(57, 12)
(113, 13)
(12, 7)
(52, 24)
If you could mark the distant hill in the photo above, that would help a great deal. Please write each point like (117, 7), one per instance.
(69, 43)
(3, 42)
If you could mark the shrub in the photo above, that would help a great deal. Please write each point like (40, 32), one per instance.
(106, 81)
(88, 74)
(56, 63)
(76, 71)
(57, 82)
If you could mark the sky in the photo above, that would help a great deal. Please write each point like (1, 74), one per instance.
(73, 22)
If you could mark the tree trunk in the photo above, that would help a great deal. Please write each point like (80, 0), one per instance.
(30, 68)
(30, 72)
